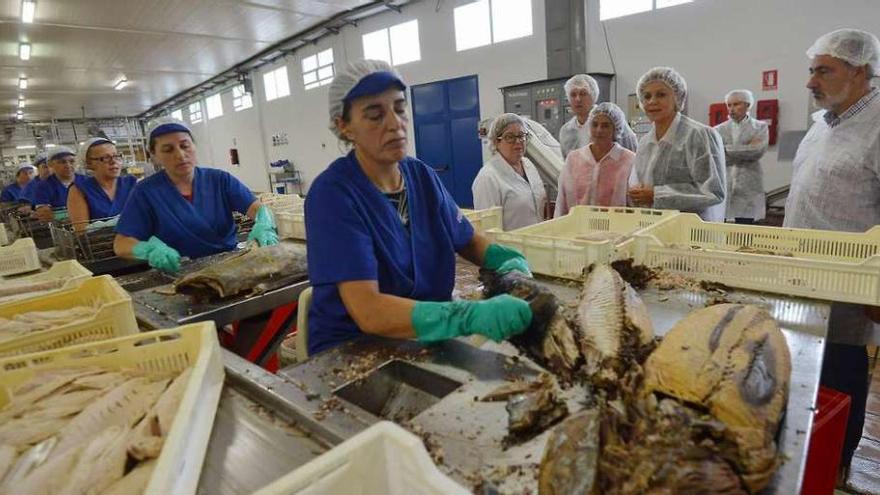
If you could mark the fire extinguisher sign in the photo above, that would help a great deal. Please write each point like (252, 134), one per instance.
(770, 80)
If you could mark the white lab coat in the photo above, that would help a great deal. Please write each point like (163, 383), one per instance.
(745, 177)
(686, 168)
(835, 185)
(573, 135)
(497, 184)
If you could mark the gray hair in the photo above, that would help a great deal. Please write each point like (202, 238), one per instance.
(583, 81)
(499, 124)
(741, 94)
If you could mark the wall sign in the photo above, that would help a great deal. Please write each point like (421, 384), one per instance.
(770, 80)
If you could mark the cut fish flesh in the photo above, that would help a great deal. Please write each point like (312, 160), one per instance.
(616, 330)
(732, 360)
(134, 482)
(570, 456)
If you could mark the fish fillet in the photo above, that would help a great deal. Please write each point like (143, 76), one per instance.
(8, 455)
(123, 406)
(35, 321)
(148, 436)
(52, 476)
(615, 326)
(100, 464)
(21, 433)
(134, 482)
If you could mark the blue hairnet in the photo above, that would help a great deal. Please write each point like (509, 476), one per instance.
(353, 81)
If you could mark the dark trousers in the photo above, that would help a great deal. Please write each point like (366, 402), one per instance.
(845, 369)
(744, 221)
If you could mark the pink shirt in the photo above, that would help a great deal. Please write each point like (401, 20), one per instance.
(584, 181)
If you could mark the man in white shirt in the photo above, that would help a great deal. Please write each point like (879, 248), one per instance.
(836, 186)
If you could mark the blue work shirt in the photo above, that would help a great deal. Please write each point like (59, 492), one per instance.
(100, 205)
(354, 233)
(11, 193)
(53, 193)
(199, 228)
(27, 194)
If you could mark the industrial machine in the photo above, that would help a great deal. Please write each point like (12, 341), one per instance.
(545, 102)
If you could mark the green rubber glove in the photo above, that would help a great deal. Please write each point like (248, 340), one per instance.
(497, 318)
(504, 259)
(60, 214)
(264, 232)
(159, 255)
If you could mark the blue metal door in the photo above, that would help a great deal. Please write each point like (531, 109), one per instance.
(445, 119)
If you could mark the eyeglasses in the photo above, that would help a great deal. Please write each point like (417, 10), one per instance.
(513, 138)
(106, 159)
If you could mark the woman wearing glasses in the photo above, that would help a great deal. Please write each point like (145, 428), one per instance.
(104, 193)
(509, 179)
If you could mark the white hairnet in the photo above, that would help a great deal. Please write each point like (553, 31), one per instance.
(614, 114)
(24, 166)
(40, 159)
(162, 126)
(669, 77)
(345, 80)
(741, 94)
(583, 81)
(853, 46)
(499, 124)
(58, 152)
(84, 149)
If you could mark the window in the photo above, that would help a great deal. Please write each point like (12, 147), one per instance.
(195, 112)
(491, 21)
(318, 69)
(241, 100)
(177, 114)
(215, 106)
(396, 45)
(276, 84)
(609, 9)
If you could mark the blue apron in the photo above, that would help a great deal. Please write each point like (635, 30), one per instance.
(199, 228)
(354, 233)
(100, 205)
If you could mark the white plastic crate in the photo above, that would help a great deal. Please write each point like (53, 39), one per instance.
(70, 272)
(291, 224)
(484, 220)
(179, 465)
(554, 247)
(384, 459)
(834, 266)
(19, 257)
(113, 317)
(281, 202)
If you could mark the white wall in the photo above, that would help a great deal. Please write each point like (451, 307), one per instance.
(303, 114)
(718, 45)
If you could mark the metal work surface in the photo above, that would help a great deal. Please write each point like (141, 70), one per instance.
(258, 435)
(467, 435)
(157, 310)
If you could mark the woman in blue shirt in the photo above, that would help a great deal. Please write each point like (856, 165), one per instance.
(383, 232)
(23, 176)
(104, 193)
(185, 210)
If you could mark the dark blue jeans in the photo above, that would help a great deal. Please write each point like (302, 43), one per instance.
(845, 369)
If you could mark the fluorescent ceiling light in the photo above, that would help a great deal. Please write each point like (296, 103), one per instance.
(26, 147)
(120, 84)
(51, 145)
(22, 83)
(21, 103)
(24, 51)
(28, 7)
